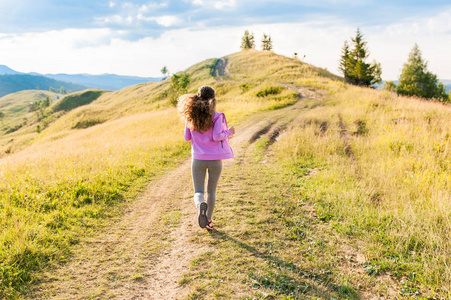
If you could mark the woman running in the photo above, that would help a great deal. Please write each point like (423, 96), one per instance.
(207, 130)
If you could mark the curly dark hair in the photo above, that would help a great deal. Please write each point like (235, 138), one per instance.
(197, 110)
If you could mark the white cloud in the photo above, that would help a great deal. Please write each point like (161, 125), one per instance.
(391, 45)
(115, 19)
(225, 4)
(79, 51)
(217, 4)
(440, 23)
(151, 6)
(106, 51)
(132, 13)
(165, 21)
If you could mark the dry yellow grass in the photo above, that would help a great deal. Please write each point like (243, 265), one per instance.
(57, 189)
(381, 168)
(383, 175)
(65, 180)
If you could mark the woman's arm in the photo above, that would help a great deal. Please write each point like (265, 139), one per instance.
(219, 133)
(187, 134)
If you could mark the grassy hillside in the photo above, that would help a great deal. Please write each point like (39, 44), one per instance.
(15, 106)
(73, 177)
(378, 169)
(15, 126)
(21, 126)
(381, 175)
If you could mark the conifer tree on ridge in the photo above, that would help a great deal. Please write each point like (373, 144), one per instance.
(353, 66)
(247, 41)
(266, 42)
(416, 80)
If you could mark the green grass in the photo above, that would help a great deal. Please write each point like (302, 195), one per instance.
(271, 90)
(361, 170)
(55, 193)
(15, 107)
(357, 166)
(153, 96)
(58, 185)
(375, 170)
(384, 179)
(75, 100)
(266, 246)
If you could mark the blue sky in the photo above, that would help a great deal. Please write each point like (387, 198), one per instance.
(140, 37)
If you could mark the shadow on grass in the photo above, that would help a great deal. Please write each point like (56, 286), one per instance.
(278, 280)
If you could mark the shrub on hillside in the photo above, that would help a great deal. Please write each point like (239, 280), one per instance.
(389, 86)
(87, 123)
(73, 101)
(244, 87)
(272, 90)
(179, 86)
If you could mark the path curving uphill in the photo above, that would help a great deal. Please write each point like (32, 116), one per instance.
(146, 253)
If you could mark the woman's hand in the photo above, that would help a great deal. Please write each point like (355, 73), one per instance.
(232, 129)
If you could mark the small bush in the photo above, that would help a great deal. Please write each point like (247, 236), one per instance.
(272, 90)
(179, 86)
(361, 127)
(87, 123)
(244, 87)
(73, 101)
(13, 129)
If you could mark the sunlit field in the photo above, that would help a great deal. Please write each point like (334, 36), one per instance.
(69, 179)
(381, 172)
(54, 192)
(376, 168)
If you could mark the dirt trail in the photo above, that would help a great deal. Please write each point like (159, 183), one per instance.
(132, 260)
(139, 258)
(120, 263)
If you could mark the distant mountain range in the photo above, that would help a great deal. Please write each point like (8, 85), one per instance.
(12, 81)
(4, 70)
(105, 81)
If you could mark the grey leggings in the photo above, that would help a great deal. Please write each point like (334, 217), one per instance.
(199, 169)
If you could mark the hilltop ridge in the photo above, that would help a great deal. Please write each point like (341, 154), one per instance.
(248, 72)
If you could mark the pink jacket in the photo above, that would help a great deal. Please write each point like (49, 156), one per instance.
(213, 144)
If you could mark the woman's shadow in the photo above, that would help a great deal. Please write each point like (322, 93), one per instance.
(314, 284)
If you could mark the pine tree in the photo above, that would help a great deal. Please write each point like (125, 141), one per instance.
(165, 72)
(353, 66)
(416, 80)
(345, 60)
(266, 42)
(247, 41)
